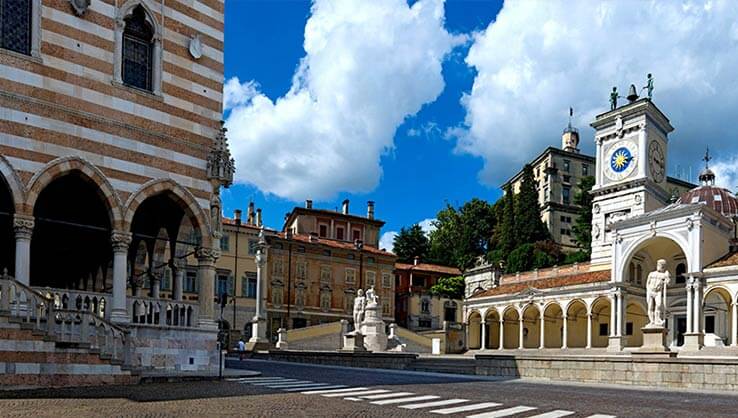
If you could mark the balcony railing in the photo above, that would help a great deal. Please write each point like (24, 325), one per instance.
(162, 312)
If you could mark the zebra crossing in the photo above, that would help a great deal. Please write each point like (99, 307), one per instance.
(406, 400)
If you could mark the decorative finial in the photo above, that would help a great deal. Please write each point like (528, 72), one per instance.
(707, 158)
(220, 165)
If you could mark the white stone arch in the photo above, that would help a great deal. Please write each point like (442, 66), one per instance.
(471, 313)
(632, 248)
(156, 66)
(14, 183)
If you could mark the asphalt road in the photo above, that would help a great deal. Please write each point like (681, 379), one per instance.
(363, 393)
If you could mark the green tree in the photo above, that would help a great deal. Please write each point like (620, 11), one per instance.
(462, 234)
(450, 287)
(528, 225)
(410, 243)
(582, 227)
(507, 239)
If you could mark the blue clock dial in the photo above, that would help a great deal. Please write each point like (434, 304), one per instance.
(620, 160)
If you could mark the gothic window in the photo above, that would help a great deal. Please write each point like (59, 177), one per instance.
(138, 47)
(15, 25)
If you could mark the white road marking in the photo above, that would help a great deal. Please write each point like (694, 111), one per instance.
(388, 395)
(353, 399)
(320, 392)
(432, 404)
(554, 414)
(315, 386)
(361, 392)
(288, 385)
(259, 379)
(403, 400)
(601, 416)
(274, 382)
(466, 408)
(503, 412)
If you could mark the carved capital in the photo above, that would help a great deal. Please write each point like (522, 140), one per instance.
(23, 226)
(207, 254)
(120, 241)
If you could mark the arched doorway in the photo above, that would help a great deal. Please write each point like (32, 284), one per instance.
(554, 328)
(70, 246)
(7, 236)
(600, 322)
(531, 327)
(576, 323)
(511, 332)
(493, 329)
(717, 316)
(474, 325)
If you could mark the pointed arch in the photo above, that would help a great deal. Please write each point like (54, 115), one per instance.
(180, 195)
(14, 183)
(125, 11)
(63, 166)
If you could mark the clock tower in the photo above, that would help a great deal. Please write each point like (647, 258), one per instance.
(631, 169)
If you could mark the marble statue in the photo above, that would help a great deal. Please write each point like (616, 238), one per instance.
(371, 296)
(359, 306)
(656, 294)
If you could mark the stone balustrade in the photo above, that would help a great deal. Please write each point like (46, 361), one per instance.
(32, 307)
(162, 312)
(96, 303)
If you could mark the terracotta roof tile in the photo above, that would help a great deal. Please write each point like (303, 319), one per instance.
(730, 259)
(547, 283)
(428, 267)
(344, 245)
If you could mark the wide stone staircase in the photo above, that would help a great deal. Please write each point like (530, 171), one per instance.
(42, 345)
(443, 365)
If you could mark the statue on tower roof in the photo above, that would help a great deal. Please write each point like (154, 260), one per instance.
(649, 86)
(614, 98)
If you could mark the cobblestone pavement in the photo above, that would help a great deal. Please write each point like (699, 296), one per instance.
(279, 392)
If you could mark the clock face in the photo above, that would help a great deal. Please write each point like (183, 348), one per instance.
(621, 160)
(656, 161)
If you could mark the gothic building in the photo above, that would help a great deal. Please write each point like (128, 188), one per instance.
(601, 305)
(111, 160)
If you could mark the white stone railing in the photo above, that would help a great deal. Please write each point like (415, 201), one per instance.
(162, 312)
(97, 304)
(63, 325)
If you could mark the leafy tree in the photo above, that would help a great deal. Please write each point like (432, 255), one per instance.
(450, 287)
(528, 256)
(528, 225)
(410, 243)
(582, 227)
(462, 234)
(507, 239)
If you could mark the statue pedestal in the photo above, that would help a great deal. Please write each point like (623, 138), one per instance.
(615, 344)
(354, 342)
(693, 341)
(654, 343)
(258, 340)
(375, 337)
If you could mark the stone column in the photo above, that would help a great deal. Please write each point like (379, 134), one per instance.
(258, 338)
(502, 335)
(520, 332)
(541, 343)
(613, 315)
(694, 337)
(483, 336)
(155, 285)
(178, 279)
(697, 315)
(23, 227)
(565, 337)
(120, 242)
(589, 330)
(734, 326)
(690, 306)
(206, 276)
(621, 314)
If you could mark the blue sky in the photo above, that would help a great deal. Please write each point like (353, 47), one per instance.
(412, 105)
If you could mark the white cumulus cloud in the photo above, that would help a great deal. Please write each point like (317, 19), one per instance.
(387, 240)
(368, 66)
(540, 57)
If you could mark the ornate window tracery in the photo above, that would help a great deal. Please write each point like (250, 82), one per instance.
(138, 50)
(16, 25)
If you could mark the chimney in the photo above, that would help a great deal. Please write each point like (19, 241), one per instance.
(345, 209)
(237, 216)
(370, 209)
(250, 214)
(258, 217)
(416, 260)
(308, 204)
